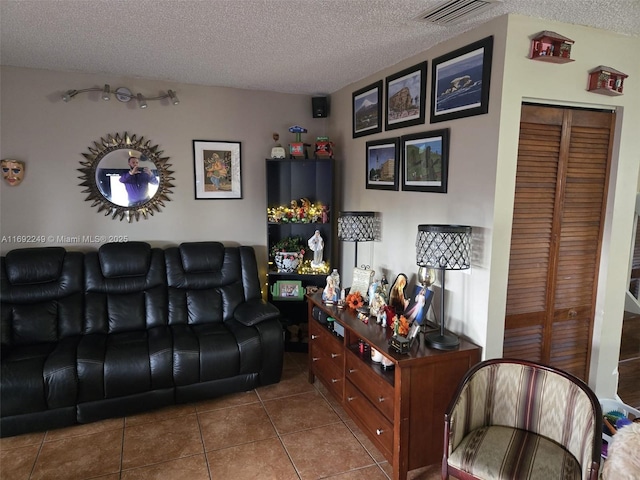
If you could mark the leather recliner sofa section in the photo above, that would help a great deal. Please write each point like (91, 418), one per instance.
(129, 328)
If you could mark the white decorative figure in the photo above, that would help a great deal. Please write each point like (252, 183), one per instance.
(316, 244)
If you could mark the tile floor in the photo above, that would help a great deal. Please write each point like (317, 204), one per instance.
(288, 431)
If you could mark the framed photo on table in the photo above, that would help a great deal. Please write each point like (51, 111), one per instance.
(382, 164)
(425, 161)
(460, 82)
(406, 97)
(217, 169)
(367, 110)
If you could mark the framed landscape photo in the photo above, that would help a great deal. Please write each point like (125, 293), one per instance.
(425, 161)
(367, 110)
(406, 96)
(460, 82)
(217, 167)
(383, 164)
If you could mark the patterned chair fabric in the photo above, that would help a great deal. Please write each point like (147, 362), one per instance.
(513, 419)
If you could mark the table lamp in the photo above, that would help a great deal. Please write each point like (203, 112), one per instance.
(357, 227)
(443, 247)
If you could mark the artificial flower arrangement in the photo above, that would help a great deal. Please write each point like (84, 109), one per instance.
(303, 212)
(289, 245)
(400, 326)
(354, 301)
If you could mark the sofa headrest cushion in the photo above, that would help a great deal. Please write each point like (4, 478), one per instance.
(27, 266)
(202, 256)
(130, 259)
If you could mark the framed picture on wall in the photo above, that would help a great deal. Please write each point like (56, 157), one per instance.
(425, 161)
(460, 82)
(217, 170)
(383, 164)
(406, 96)
(367, 110)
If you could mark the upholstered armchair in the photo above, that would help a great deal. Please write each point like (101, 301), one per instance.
(517, 420)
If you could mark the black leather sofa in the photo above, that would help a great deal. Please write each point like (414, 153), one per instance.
(129, 328)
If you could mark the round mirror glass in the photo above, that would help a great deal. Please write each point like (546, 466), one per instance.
(126, 177)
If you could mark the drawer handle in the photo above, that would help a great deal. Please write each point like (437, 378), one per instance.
(380, 399)
(335, 380)
(350, 399)
(379, 431)
(313, 337)
(352, 370)
(315, 359)
(334, 355)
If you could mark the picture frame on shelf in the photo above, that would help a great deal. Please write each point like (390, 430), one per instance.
(217, 169)
(367, 110)
(425, 161)
(406, 97)
(382, 164)
(460, 82)
(287, 290)
(419, 303)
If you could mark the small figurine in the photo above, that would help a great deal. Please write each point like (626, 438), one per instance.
(278, 151)
(397, 299)
(330, 293)
(298, 148)
(316, 244)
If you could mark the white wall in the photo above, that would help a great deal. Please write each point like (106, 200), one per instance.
(482, 179)
(50, 136)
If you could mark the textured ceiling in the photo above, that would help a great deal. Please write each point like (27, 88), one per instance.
(295, 46)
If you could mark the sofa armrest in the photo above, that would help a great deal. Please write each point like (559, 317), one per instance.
(255, 311)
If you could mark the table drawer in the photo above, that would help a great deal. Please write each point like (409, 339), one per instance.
(376, 426)
(377, 390)
(328, 373)
(322, 341)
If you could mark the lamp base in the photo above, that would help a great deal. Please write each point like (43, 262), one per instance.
(441, 341)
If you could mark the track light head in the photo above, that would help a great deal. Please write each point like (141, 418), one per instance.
(173, 97)
(106, 93)
(142, 101)
(68, 95)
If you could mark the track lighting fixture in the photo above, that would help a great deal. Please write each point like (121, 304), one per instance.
(123, 94)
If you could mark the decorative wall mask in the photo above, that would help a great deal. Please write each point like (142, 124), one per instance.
(12, 171)
(126, 177)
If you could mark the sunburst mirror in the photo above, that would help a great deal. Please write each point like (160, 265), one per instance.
(126, 177)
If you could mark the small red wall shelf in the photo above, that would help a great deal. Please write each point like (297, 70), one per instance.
(606, 81)
(551, 47)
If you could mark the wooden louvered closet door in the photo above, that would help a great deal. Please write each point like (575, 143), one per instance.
(562, 175)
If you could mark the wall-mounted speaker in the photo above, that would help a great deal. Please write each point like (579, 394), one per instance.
(319, 107)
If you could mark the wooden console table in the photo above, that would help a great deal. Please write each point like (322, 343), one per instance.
(400, 409)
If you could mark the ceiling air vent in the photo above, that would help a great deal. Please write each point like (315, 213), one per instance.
(455, 11)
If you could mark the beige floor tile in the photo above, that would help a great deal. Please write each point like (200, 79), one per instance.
(325, 451)
(295, 360)
(161, 414)
(22, 440)
(17, 463)
(432, 472)
(188, 468)
(300, 412)
(232, 400)
(79, 457)
(85, 429)
(160, 441)
(293, 382)
(373, 472)
(235, 425)
(264, 460)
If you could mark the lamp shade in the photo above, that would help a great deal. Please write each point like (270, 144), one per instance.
(357, 226)
(446, 247)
